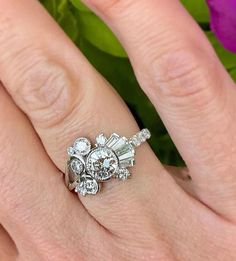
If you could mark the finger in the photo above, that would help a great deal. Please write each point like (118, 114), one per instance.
(65, 98)
(193, 94)
(35, 207)
(8, 251)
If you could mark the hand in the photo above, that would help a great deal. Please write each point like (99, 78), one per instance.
(57, 96)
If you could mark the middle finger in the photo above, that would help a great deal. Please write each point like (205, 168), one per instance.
(179, 71)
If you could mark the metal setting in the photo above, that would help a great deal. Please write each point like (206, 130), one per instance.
(87, 167)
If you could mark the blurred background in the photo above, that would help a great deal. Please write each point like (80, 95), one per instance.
(104, 51)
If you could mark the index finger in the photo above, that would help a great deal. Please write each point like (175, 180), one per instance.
(35, 207)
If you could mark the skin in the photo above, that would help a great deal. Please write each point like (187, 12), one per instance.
(50, 95)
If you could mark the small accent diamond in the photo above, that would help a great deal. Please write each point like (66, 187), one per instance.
(82, 146)
(140, 137)
(101, 140)
(146, 133)
(76, 166)
(123, 174)
(87, 186)
(135, 141)
(70, 151)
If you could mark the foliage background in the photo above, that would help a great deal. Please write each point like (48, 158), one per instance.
(104, 51)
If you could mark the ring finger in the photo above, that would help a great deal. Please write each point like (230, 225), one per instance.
(64, 98)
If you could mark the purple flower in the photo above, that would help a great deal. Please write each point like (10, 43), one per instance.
(223, 22)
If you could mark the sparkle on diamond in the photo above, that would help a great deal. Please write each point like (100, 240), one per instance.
(87, 186)
(76, 166)
(82, 146)
(102, 163)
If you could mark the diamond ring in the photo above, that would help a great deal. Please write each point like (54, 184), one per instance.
(87, 167)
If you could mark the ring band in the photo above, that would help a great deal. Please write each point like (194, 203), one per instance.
(87, 167)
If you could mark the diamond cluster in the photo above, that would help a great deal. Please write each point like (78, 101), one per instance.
(111, 157)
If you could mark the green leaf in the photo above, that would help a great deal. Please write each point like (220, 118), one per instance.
(198, 9)
(69, 23)
(226, 57)
(98, 34)
(51, 6)
(60, 10)
(67, 20)
(80, 6)
(233, 74)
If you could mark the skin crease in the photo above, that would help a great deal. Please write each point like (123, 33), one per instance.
(49, 97)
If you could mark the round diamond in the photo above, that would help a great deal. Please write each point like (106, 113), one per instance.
(101, 140)
(82, 146)
(81, 189)
(122, 174)
(102, 163)
(87, 186)
(146, 133)
(141, 137)
(135, 140)
(70, 151)
(76, 166)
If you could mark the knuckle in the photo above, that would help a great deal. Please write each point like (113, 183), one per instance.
(45, 89)
(181, 73)
(41, 86)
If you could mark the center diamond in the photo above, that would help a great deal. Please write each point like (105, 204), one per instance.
(102, 163)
